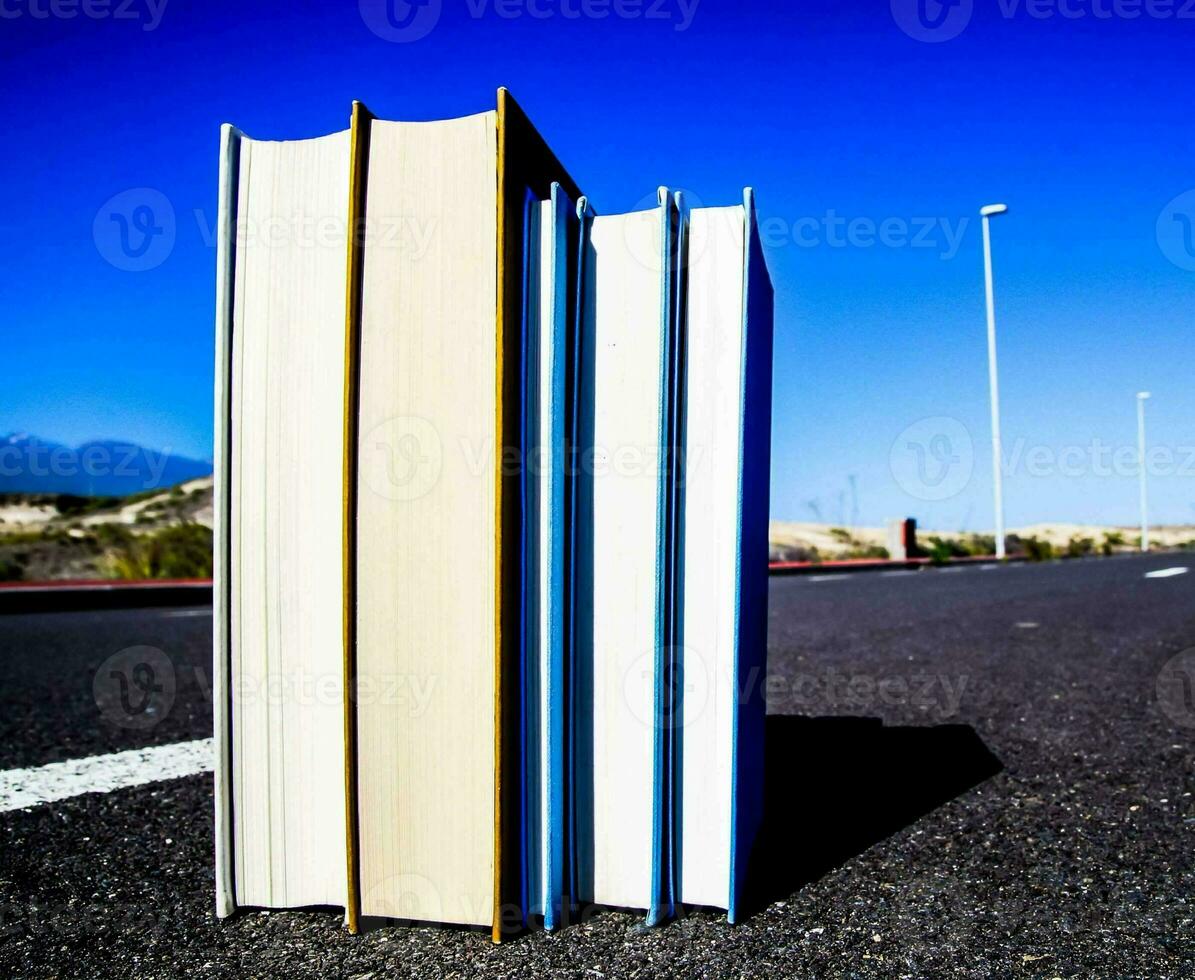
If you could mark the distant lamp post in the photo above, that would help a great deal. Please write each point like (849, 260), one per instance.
(988, 212)
(1141, 396)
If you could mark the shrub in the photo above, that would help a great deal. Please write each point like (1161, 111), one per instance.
(868, 551)
(1037, 550)
(941, 550)
(183, 551)
(1112, 541)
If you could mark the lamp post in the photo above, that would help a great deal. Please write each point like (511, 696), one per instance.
(987, 213)
(1141, 396)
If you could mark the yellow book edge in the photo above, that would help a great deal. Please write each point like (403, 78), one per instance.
(358, 166)
(524, 160)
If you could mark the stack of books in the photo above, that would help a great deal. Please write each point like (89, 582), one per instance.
(491, 532)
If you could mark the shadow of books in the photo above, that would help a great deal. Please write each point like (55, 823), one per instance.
(836, 786)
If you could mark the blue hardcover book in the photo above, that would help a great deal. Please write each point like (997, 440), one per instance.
(626, 565)
(547, 546)
(722, 653)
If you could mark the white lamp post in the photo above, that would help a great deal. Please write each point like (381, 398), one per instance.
(1141, 396)
(987, 213)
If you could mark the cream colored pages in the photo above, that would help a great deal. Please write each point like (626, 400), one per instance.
(426, 522)
(713, 417)
(623, 334)
(287, 716)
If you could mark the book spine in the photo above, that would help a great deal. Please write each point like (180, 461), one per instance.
(661, 899)
(230, 149)
(579, 805)
(359, 129)
(525, 163)
(751, 593)
(561, 208)
(675, 681)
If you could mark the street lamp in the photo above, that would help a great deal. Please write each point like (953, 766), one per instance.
(988, 212)
(1141, 396)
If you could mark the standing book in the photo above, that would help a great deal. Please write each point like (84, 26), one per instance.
(627, 333)
(409, 369)
(722, 659)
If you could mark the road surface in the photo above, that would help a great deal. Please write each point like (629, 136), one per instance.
(970, 773)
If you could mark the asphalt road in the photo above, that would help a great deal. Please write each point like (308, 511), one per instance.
(970, 773)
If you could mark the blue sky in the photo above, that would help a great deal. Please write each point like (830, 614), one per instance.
(849, 120)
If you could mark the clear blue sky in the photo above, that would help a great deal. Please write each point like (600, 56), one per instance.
(1081, 123)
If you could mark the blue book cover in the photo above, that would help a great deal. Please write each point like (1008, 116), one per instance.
(624, 616)
(545, 579)
(752, 600)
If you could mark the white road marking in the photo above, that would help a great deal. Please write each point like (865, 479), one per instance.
(181, 613)
(20, 788)
(1167, 572)
(827, 578)
(900, 573)
(1028, 626)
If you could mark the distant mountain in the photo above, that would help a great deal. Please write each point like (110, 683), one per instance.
(105, 468)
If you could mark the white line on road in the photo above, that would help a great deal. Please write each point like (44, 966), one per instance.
(1167, 572)
(187, 613)
(20, 788)
(827, 578)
